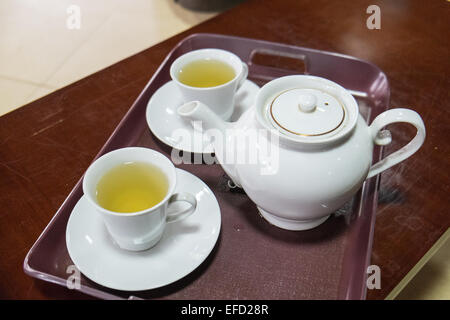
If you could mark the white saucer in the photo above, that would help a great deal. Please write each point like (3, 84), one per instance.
(163, 120)
(183, 247)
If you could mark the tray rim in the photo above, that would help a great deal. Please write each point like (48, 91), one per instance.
(98, 293)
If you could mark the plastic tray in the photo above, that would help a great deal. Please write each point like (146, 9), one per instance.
(252, 259)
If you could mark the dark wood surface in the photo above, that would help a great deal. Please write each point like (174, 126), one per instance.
(47, 145)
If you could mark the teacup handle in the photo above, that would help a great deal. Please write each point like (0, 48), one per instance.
(243, 76)
(182, 214)
(384, 137)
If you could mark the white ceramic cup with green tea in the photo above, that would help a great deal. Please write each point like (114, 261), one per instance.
(211, 76)
(133, 189)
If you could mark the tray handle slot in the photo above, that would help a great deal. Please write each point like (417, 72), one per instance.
(269, 64)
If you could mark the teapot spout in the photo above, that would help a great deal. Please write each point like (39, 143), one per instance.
(210, 121)
(198, 111)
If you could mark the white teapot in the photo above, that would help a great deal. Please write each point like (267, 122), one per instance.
(303, 150)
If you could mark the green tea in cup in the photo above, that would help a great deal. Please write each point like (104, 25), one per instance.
(205, 73)
(131, 187)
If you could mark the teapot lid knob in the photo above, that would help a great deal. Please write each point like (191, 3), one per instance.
(307, 102)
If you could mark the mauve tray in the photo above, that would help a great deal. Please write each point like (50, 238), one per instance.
(252, 259)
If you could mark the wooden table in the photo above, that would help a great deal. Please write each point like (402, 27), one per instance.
(47, 145)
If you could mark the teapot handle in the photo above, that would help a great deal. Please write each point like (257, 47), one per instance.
(384, 137)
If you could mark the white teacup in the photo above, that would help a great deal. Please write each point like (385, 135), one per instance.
(219, 98)
(138, 230)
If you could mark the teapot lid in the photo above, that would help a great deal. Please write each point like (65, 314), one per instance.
(306, 112)
(306, 109)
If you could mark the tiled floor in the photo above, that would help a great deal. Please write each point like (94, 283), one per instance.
(39, 54)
